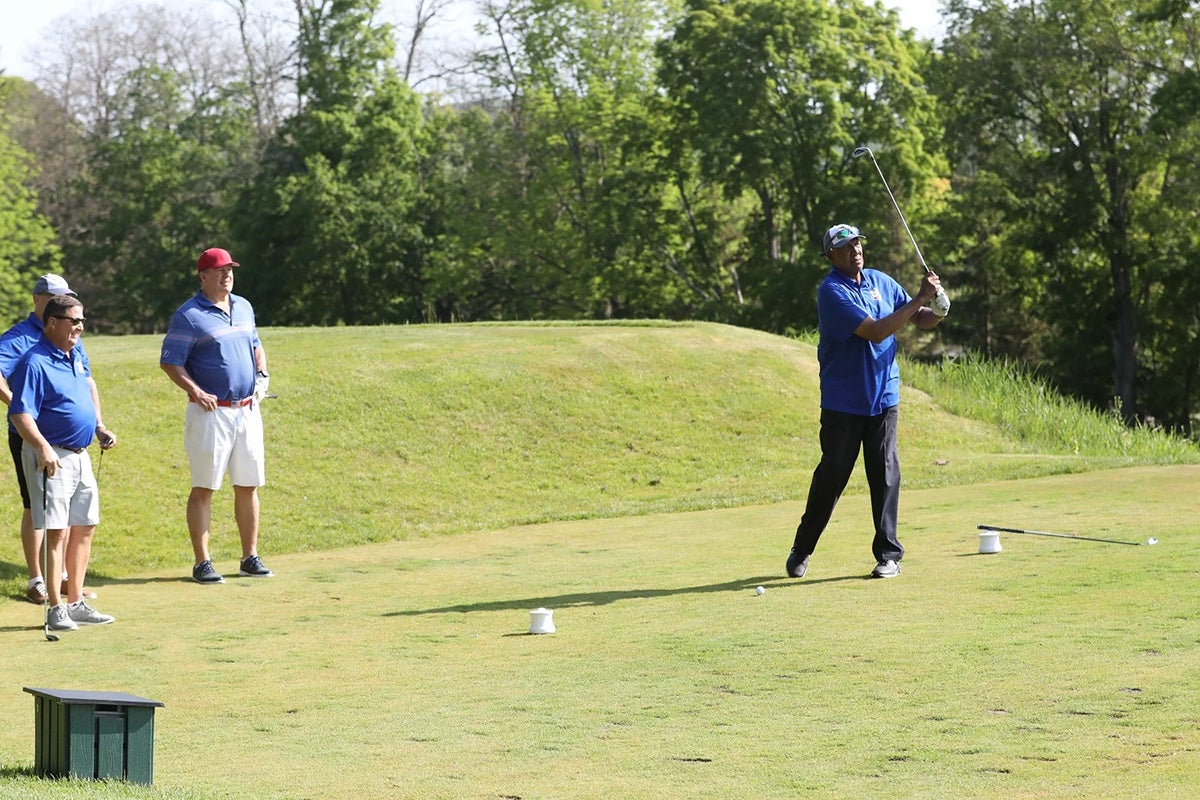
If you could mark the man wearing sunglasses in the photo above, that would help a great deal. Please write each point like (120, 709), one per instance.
(54, 411)
(14, 343)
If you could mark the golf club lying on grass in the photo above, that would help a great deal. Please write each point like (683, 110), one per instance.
(859, 152)
(1150, 541)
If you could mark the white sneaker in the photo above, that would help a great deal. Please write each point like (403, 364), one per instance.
(886, 569)
(58, 618)
(83, 614)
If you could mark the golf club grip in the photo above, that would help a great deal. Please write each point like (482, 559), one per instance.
(1002, 530)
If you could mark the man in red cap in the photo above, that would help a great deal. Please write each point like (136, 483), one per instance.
(212, 352)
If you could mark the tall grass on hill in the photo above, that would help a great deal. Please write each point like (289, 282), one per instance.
(1028, 410)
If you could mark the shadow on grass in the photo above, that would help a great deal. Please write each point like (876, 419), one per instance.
(584, 599)
(99, 582)
(10, 772)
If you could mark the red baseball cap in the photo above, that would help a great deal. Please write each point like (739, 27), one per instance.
(215, 258)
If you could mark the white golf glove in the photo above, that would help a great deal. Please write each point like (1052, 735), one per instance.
(262, 382)
(940, 304)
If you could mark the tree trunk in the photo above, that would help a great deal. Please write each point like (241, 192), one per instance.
(774, 249)
(1124, 332)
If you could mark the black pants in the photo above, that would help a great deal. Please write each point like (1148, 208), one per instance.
(841, 437)
(14, 446)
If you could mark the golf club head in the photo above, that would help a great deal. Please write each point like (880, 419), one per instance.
(859, 152)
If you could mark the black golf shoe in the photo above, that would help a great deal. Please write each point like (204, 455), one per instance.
(204, 573)
(253, 567)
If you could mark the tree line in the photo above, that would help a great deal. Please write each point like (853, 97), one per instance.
(595, 159)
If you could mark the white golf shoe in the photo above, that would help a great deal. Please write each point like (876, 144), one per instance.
(83, 614)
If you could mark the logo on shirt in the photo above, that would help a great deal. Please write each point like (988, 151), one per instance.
(876, 296)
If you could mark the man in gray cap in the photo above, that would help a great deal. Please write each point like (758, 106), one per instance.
(15, 342)
(859, 312)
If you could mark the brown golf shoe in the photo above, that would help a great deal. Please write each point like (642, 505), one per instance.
(36, 594)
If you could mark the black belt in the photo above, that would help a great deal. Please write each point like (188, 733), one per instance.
(72, 449)
(231, 403)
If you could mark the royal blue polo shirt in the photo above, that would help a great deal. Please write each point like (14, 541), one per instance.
(216, 349)
(53, 387)
(857, 375)
(18, 340)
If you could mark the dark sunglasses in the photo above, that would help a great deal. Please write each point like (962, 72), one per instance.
(73, 320)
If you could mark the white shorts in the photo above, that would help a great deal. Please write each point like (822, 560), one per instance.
(225, 439)
(72, 497)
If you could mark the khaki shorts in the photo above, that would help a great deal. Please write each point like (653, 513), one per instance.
(225, 440)
(72, 497)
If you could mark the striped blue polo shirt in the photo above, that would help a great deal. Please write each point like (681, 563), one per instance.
(216, 349)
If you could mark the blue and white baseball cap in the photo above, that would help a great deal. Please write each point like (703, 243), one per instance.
(52, 284)
(840, 236)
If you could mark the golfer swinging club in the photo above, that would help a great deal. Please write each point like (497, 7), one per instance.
(859, 311)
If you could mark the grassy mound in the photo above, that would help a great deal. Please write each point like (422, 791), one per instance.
(382, 434)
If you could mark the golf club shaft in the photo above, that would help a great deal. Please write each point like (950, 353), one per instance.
(899, 213)
(1055, 535)
(50, 637)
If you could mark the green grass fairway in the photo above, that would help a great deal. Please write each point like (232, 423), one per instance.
(1055, 669)
(430, 486)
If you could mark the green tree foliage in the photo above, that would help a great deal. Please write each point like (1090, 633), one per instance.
(160, 188)
(27, 240)
(1053, 109)
(573, 206)
(774, 95)
(143, 130)
(637, 158)
(333, 226)
(1170, 335)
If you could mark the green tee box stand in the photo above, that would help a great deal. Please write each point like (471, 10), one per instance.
(93, 735)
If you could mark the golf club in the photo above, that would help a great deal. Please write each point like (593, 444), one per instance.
(100, 465)
(1151, 541)
(859, 152)
(50, 637)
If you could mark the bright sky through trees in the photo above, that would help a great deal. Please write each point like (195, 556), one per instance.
(23, 23)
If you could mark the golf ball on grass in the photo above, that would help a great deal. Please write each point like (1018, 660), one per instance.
(760, 590)
(1152, 540)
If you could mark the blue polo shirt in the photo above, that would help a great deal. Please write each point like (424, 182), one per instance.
(216, 349)
(53, 388)
(857, 376)
(20, 338)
